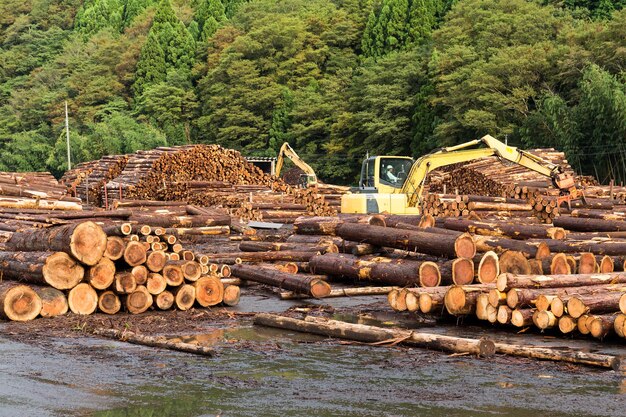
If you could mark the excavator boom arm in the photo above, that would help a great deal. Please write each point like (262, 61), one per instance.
(414, 184)
(288, 151)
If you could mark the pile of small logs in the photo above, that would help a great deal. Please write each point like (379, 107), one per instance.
(203, 175)
(34, 190)
(83, 267)
(87, 179)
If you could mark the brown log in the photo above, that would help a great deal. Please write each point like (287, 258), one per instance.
(109, 302)
(461, 300)
(82, 299)
(125, 282)
(283, 246)
(18, 302)
(579, 224)
(608, 302)
(328, 225)
(237, 257)
(159, 342)
(458, 271)
(504, 229)
(544, 319)
(488, 267)
(209, 290)
(598, 247)
(513, 262)
(602, 325)
(293, 282)
(115, 248)
(522, 317)
(101, 275)
(135, 253)
(53, 301)
(378, 269)
(156, 283)
(173, 274)
(56, 269)
(504, 315)
(422, 242)
(165, 300)
(156, 260)
(231, 295)
(185, 296)
(140, 272)
(501, 244)
(84, 241)
(567, 324)
(138, 301)
(191, 270)
(508, 281)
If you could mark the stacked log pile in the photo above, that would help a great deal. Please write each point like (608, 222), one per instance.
(34, 190)
(86, 180)
(80, 267)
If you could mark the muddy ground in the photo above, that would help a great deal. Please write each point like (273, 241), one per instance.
(55, 367)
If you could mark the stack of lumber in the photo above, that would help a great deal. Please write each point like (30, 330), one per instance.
(87, 179)
(203, 175)
(34, 190)
(80, 267)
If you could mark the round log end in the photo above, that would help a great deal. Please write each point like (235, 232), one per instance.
(412, 302)
(618, 324)
(109, 302)
(191, 270)
(576, 307)
(606, 265)
(463, 271)
(88, 243)
(557, 233)
(567, 324)
(156, 260)
(102, 274)
(488, 268)
(376, 220)
(559, 265)
(156, 283)
(135, 253)
(557, 306)
(544, 319)
(139, 300)
(455, 300)
(185, 297)
(429, 275)
(20, 303)
(115, 248)
(62, 272)
(53, 301)
(82, 299)
(231, 295)
(426, 221)
(464, 246)
(622, 304)
(425, 302)
(543, 251)
(504, 315)
(512, 298)
(587, 263)
(486, 347)
(173, 275)
(209, 291)
(582, 324)
(520, 319)
(319, 288)
(165, 300)
(514, 262)
(598, 328)
(401, 300)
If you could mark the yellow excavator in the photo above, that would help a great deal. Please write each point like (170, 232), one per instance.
(308, 179)
(394, 184)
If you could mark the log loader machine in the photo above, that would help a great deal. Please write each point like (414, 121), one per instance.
(394, 184)
(308, 179)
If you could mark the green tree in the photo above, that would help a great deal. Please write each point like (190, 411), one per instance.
(151, 67)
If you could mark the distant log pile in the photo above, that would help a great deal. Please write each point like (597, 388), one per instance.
(86, 180)
(201, 175)
(34, 190)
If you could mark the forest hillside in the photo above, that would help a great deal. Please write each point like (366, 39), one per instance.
(335, 78)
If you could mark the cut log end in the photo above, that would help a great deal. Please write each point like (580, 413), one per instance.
(62, 272)
(464, 246)
(319, 288)
(231, 295)
(19, 302)
(88, 243)
(185, 297)
(135, 253)
(165, 300)
(115, 248)
(514, 262)
(209, 291)
(109, 302)
(488, 268)
(82, 299)
(576, 307)
(587, 263)
(429, 275)
(559, 265)
(567, 324)
(102, 275)
(543, 251)
(139, 300)
(53, 301)
(462, 271)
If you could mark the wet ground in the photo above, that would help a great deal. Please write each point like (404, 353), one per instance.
(55, 368)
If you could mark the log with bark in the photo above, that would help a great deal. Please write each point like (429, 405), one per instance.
(56, 269)
(18, 302)
(293, 282)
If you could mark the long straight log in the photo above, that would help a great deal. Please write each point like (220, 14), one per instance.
(384, 270)
(501, 244)
(422, 242)
(56, 269)
(329, 225)
(84, 241)
(153, 341)
(342, 292)
(236, 257)
(293, 282)
(507, 281)
(285, 246)
(580, 224)
(505, 229)
(599, 247)
(372, 334)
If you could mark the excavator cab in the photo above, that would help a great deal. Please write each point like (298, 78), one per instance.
(384, 173)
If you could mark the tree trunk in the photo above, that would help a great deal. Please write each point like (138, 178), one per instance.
(501, 244)
(84, 241)
(56, 269)
(293, 282)
(173, 274)
(209, 290)
(82, 299)
(109, 302)
(504, 229)
(507, 281)
(18, 302)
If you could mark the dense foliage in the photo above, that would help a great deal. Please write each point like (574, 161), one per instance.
(336, 78)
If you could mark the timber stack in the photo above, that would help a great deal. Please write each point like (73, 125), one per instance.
(34, 190)
(87, 179)
(80, 267)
